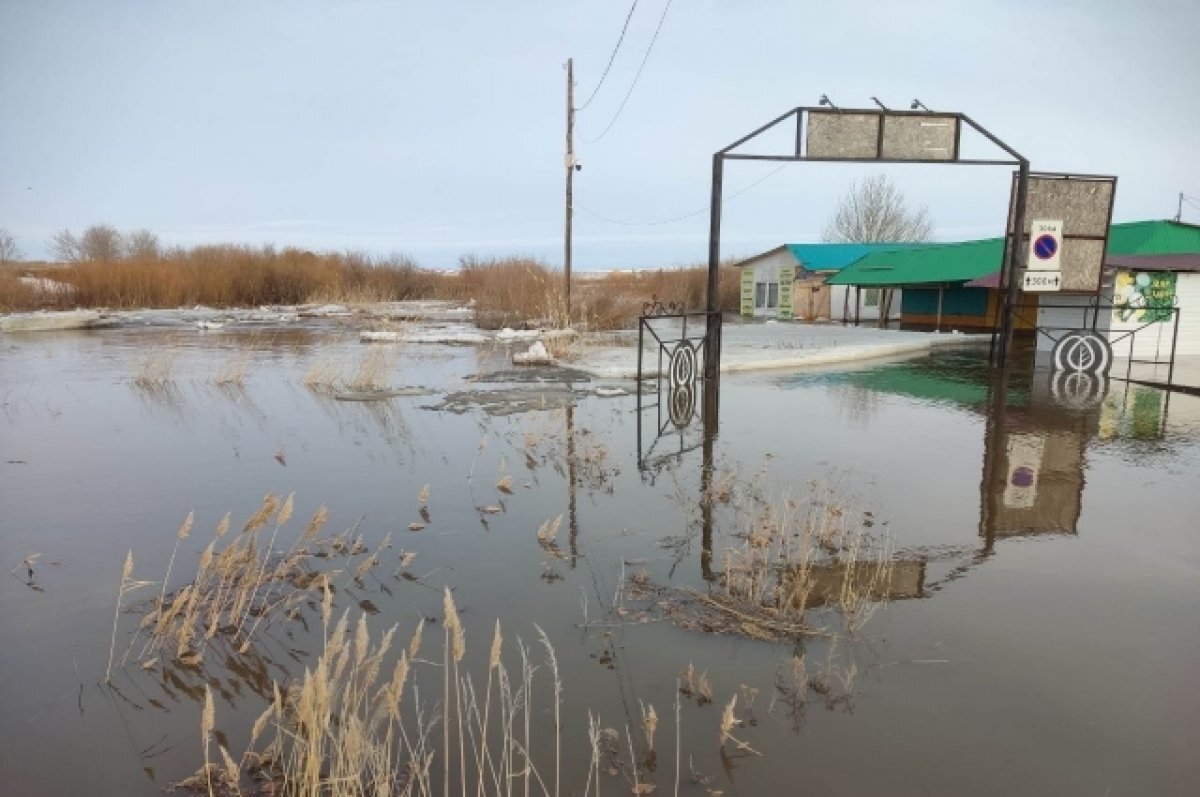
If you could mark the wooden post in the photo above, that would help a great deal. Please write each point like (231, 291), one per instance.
(570, 161)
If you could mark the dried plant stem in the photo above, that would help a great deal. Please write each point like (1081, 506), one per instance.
(207, 720)
(446, 701)
(126, 572)
(553, 659)
(284, 515)
(633, 767)
(678, 738)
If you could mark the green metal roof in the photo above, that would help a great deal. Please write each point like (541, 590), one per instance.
(961, 262)
(835, 257)
(1154, 238)
(937, 263)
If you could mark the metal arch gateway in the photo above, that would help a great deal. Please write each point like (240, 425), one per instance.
(857, 135)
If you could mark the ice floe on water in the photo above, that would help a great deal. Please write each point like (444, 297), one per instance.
(449, 334)
(44, 320)
(535, 355)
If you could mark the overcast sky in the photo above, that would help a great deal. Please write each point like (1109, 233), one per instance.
(437, 128)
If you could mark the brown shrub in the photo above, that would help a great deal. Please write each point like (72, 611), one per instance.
(224, 276)
(16, 295)
(508, 291)
(512, 291)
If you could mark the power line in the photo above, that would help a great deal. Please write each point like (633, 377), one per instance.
(673, 219)
(632, 85)
(611, 57)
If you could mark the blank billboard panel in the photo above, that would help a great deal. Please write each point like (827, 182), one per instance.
(920, 137)
(1082, 204)
(834, 136)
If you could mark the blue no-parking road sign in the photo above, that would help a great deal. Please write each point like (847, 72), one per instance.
(1045, 245)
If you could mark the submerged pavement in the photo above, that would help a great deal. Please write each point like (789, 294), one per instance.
(746, 346)
(763, 346)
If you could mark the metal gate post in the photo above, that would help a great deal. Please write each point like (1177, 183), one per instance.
(1012, 268)
(712, 353)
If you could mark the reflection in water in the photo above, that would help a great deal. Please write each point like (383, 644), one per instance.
(1041, 450)
(1034, 461)
(894, 580)
(677, 424)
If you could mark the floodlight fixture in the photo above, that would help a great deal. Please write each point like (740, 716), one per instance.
(826, 101)
(918, 104)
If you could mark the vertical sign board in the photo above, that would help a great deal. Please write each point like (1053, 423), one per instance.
(748, 290)
(1083, 204)
(787, 277)
(1043, 262)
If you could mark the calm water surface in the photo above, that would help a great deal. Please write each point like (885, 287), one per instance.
(1046, 643)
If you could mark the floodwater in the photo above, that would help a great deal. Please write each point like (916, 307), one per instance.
(1042, 639)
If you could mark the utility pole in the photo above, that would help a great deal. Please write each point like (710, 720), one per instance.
(570, 162)
(1179, 208)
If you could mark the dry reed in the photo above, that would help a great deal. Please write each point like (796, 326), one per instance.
(347, 728)
(795, 556)
(241, 583)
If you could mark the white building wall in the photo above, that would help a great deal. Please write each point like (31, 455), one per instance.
(1064, 313)
(766, 269)
(841, 298)
(1152, 342)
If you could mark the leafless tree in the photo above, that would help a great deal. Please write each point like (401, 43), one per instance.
(100, 243)
(9, 253)
(141, 245)
(876, 211)
(65, 247)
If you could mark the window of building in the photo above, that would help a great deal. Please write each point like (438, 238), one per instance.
(871, 297)
(766, 295)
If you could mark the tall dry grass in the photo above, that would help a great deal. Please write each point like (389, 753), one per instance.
(507, 291)
(358, 724)
(243, 582)
(512, 291)
(224, 276)
(18, 295)
(800, 554)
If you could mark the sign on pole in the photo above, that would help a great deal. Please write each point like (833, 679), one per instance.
(1041, 281)
(1045, 245)
(1083, 206)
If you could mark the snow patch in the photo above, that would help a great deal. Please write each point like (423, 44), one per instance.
(536, 355)
(48, 319)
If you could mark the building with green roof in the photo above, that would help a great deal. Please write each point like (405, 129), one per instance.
(789, 281)
(956, 285)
